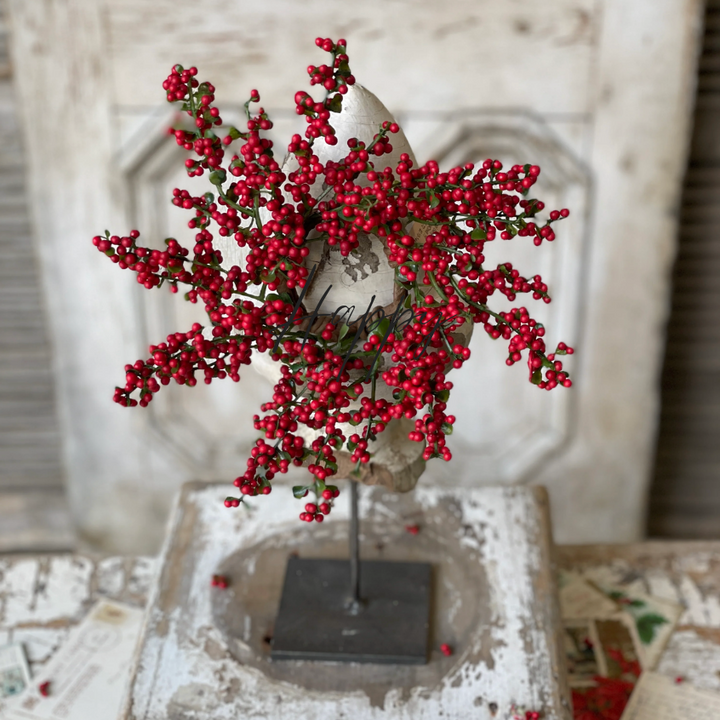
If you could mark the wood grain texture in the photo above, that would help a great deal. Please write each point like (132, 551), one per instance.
(495, 602)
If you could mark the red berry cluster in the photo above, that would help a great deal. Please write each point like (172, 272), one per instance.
(330, 369)
(335, 78)
(522, 714)
(607, 698)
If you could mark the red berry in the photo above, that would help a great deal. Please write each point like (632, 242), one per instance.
(446, 650)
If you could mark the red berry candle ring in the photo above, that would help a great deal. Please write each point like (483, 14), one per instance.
(350, 275)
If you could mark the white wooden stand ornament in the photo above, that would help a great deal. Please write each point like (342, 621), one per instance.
(361, 283)
(205, 651)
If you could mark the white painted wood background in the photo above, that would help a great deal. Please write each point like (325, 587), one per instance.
(596, 91)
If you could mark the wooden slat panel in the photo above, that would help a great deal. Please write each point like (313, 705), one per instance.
(685, 496)
(30, 456)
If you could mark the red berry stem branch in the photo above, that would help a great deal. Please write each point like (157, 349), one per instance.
(329, 373)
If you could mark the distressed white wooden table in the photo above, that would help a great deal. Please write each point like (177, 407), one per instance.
(41, 598)
(206, 651)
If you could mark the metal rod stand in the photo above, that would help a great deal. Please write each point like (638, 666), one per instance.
(384, 620)
(355, 601)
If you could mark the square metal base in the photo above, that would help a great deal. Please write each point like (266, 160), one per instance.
(315, 621)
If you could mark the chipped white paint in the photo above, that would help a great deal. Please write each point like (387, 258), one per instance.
(184, 666)
(693, 656)
(41, 598)
(40, 592)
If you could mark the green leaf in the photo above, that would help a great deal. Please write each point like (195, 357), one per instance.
(234, 133)
(380, 327)
(478, 234)
(447, 428)
(536, 378)
(300, 491)
(434, 201)
(218, 177)
(334, 104)
(343, 331)
(443, 395)
(647, 625)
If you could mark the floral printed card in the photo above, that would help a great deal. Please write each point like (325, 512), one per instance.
(651, 622)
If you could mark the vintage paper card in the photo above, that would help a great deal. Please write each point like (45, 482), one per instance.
(657, 697)
(581, 600)
(87, 678)
(652, 621)
(581, 644)
(616, 647)
(14, 671)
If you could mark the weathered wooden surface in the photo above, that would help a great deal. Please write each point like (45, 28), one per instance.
(494, 602)
(596, 89)
(687, 573)
(43, 597)
(40, 598)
